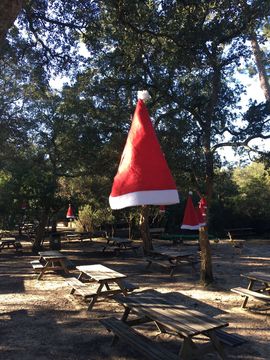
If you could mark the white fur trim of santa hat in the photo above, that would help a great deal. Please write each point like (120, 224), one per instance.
(143, 95)
(153, 197)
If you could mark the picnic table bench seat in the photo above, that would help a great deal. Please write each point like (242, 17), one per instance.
(251, 293)
(235, 233)
(83, 288)
(229, 339)
(132, 247)
(37, 265)
(152, 350)
(171, 264)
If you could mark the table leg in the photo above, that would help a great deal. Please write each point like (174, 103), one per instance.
(95, 297)
(63, 265)
(48, 263)
(172, 270)
(120, 284)
(250, 285)
(266, 287)
(124, 319)
(80, 276)
(108, 244)
(216, 344)
(189, 350)
(107, 286)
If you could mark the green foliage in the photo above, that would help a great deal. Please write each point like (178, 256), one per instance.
(67, 145)
(91, 219)
(253, 200)
(242, 198)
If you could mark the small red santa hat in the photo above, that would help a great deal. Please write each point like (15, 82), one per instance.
(162, 208)
(143, 176)
(70, 214)
(200, 216)
(190, 221)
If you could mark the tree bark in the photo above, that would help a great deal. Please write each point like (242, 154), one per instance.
(40, 233)
(144, 227)
(260, 66)
(9, 11)
(206, 259)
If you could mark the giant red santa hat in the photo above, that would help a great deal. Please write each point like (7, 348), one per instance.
(70, 214)
(143, 176)
(190, 220)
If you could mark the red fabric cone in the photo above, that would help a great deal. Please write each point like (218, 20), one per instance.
(190, 221)
(162, 208)
(143, 176)
(203, 209)
(70, 214)
(200, 216)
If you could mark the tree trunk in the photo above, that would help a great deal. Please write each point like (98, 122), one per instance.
(40, 233)
(260, 66)
(206, 260)
(144, 227)
(9, 10)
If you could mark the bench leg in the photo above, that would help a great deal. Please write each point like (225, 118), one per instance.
(72, 291)
(216, 344)
(124, 319)
(189, 350)
(63, 265)
(121, 286)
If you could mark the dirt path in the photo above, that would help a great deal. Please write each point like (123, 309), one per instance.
(39, 319)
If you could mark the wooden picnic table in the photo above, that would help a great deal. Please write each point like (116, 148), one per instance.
(7, 242)
(48, 261)
(119, 244)
(258, 287)
(150, 306)
(79, 236)
(172, 258)
(104, 277)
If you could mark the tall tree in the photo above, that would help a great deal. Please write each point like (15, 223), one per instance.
(9, 10)
(185, 55)
(259, 59)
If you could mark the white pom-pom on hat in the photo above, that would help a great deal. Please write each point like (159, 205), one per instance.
(143, 95)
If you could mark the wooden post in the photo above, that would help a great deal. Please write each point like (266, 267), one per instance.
(144, 227)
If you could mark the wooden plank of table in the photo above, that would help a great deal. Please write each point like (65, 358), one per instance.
(11, 239)
(258, 276)
(178, 318)
(50, 253)
(120, 240)
(53, 255)
(172, 253)
(100, 272)
(177, 254)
